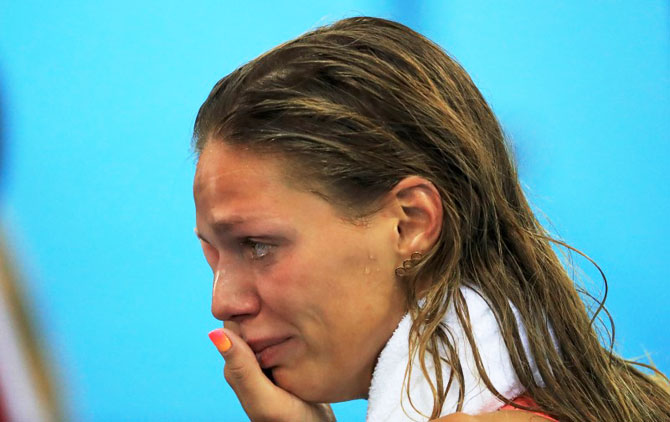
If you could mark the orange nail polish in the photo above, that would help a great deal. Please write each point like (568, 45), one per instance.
(220, 340)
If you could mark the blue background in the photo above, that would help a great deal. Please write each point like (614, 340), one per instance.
(100, 100)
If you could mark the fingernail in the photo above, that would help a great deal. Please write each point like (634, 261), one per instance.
(220, 340)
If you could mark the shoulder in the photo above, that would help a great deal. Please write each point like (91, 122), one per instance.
(501, 416)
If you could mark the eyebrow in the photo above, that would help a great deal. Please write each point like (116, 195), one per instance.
(225, 225)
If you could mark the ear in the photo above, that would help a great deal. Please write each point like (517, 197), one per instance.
(420, 220)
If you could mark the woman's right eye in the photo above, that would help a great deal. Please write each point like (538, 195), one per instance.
(256, 250)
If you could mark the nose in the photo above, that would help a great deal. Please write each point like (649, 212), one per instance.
(233, 295)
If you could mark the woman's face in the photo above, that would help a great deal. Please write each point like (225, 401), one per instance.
(313, 294)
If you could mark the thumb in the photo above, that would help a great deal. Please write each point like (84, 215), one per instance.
(242, 371)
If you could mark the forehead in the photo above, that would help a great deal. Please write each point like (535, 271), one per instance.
(229, 172)
(233, 183)
(219, 165)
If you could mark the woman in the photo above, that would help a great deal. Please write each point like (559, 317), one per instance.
(358, 206)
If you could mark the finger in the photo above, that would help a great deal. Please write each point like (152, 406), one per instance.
(242, 371)
(232, 326)
(220, 340)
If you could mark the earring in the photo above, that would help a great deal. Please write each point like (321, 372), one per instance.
(408, 264)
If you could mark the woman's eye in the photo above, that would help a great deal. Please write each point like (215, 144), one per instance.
(256, 250)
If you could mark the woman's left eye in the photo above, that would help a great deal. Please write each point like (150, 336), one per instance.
(256, 250)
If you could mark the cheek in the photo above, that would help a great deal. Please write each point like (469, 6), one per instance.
(299, 288)
(330, 276)
(283, 285)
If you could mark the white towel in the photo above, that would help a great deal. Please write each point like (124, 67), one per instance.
(386, 389)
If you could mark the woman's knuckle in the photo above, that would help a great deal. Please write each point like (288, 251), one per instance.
(234, 373)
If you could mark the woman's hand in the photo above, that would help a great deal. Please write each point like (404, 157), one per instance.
(260, 398)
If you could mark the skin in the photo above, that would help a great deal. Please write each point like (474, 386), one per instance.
(288, 265)
(501, 416)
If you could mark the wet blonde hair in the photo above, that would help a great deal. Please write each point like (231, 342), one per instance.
(362, 103)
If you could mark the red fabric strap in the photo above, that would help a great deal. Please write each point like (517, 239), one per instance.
(527, 402)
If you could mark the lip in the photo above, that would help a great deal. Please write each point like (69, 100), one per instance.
(268, 350)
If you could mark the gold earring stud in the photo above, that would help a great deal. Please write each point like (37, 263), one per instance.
(408, 264)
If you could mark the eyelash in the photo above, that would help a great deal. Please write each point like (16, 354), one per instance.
(250, 245)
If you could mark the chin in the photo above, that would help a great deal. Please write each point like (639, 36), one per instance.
(310, 389)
